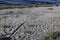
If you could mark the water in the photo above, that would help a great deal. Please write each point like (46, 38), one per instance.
(27, 1)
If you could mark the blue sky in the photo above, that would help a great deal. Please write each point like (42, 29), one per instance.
(26, 2)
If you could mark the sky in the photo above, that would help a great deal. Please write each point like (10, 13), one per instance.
(26, 1)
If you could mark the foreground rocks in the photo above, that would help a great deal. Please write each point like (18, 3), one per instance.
(41, 21)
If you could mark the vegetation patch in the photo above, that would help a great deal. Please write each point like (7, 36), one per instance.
(4, 17)
(31, 25)
(50, 8)
(11, 12)
(52, 36)
(4, 26)
(17, 16)
(28, 31)
(1, 36)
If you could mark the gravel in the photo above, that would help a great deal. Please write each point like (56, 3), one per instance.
(41, 22)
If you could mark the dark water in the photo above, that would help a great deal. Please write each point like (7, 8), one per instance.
(27, 1)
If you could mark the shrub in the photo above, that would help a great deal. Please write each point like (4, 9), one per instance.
(27, 31)
(11, 12)
(4, 17)
(31, 25)
(50, 8)
(4, 26)
(53, 36)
